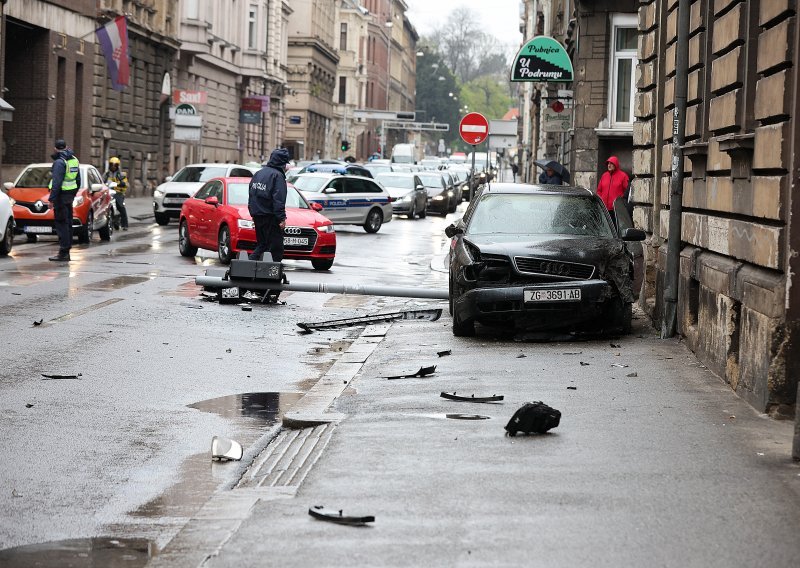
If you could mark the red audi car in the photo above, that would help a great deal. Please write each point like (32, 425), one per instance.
(216, 218)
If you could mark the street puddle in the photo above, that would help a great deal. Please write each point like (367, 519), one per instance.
(114, 283)
(185, 290)
(199, 478)
(135, 249)
(80, 553)
(454, 416)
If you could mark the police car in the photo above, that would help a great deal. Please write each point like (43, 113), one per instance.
(347, 199)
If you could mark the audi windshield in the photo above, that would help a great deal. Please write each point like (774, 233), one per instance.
(539, 214)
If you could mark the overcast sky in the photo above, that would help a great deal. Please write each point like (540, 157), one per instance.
(501, 17)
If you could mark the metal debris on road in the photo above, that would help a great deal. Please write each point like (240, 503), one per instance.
(572, 352)
(321, 513)
(28, 405)
(572, 388)
(472, 398)
(521, 356)
(584, 364)
(615, 345)
(247, 308)
(225, 449)
(193, 306)
(48, 377)
(445, 352)
(632, 375)
(423, 372)
(426, 315)
(228, 350)
(618, 365)
(460, 416)
(38, 322)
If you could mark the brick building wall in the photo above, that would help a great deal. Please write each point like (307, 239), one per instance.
(735, 223)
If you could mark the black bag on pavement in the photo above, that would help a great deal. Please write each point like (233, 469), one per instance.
(533, 417)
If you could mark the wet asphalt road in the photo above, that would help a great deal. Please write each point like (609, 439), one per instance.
(119, 449)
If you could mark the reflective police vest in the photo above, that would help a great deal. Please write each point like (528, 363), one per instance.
(70, 182)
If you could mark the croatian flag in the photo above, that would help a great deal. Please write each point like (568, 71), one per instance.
(114, 42)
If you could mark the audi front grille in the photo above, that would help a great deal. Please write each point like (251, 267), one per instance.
(554, 268)
(306, 232)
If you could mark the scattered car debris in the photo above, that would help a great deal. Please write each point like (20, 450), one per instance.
(618, 365)
(56, 377)
(572, 352)
(427, 315)
(584, 364)
(247, 308)
(323, 514)
(15, 493)
(460, 416)
(632, 375)
(533, 417)
(39, 322)
(28, 405)
(16, 294)
(472, 398)
(521, 356)
(572, 388)
(225, 449)
(423, 372)
(615, 345)
(193, 306)
(444, 353)
(228, 350)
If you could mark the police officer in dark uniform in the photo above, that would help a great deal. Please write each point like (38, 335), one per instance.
(66, 179)
(267, 205)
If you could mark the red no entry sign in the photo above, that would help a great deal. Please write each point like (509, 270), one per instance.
(474, 128)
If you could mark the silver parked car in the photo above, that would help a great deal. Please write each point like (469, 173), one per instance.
(407, 192)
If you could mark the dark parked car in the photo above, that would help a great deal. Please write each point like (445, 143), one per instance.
(538, 258)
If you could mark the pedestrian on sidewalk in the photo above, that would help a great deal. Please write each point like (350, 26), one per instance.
(66, 179)
(514, 171)
(115, 175)
(267, 205)
(613, 184)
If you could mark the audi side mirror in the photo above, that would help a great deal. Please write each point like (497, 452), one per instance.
(212, 200)
(453, 230)
(420, 187)
(8, 185)
(316, 206)
(95, 187)
(168, 178)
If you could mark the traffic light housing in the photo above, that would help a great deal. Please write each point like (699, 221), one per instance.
(345, 145)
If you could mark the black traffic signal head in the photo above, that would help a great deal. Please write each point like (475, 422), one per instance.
(345, 145)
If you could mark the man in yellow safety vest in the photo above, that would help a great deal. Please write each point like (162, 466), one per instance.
(66, 179)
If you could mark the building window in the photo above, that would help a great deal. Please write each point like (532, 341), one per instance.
(343, 37)
(342, 90)
(624, 35)
(192, 9)
(252, 19)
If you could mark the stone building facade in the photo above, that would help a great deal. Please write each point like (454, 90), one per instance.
(739, 299)
(312, 61)
(48, 60)
(133, 124)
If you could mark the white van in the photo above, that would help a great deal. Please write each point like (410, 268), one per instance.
(404, 154)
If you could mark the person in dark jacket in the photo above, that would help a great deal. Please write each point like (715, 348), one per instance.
(66, 179)
(267, 205)
(550, 177)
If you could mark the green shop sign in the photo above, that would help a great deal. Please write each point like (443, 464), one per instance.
(542, 60)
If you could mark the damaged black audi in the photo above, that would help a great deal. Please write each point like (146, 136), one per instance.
(543, 258)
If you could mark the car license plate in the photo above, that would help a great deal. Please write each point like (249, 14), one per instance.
(42, 230)
(295, 241)
(173, 200)
(553, 295)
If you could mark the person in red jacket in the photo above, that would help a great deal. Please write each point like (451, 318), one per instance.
(613, 184)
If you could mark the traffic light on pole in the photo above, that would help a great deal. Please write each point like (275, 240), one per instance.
(345, 145)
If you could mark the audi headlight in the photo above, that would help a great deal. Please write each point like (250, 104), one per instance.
(158, 193)
(245, 224)
(325, 229)
(78, 201)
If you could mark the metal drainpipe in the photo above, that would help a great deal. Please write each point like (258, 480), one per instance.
(793, 254)
(671, 278)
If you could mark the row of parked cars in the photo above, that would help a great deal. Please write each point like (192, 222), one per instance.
(210, 203)
(25, 209)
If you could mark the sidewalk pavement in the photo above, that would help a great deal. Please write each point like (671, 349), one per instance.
(655, 463)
